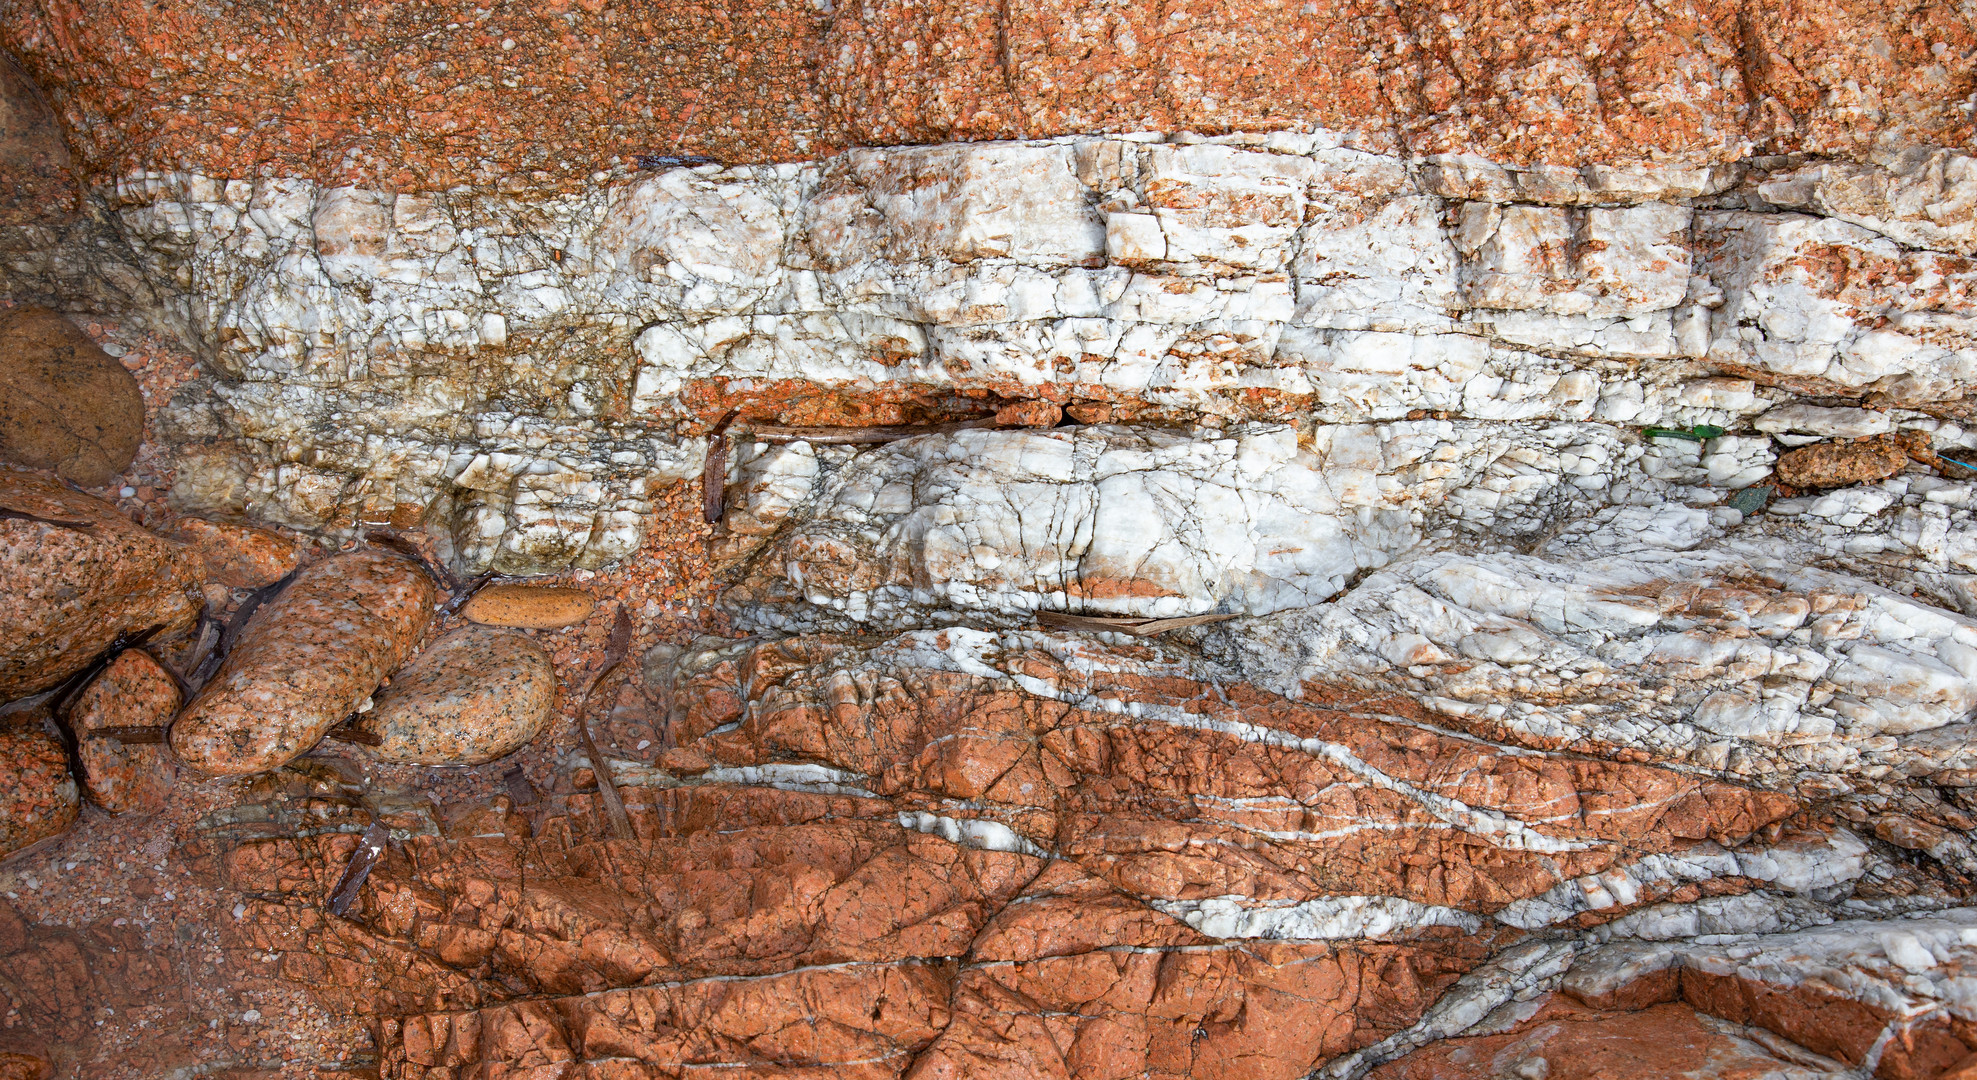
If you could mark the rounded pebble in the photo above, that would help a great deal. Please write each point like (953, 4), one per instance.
(474, 695)
(529, 607)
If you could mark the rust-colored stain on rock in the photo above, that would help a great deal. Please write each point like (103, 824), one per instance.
(65, 404)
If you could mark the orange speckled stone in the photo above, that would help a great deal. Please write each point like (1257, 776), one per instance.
(472, 696)
(121, 777)
(305, 662)
(239, 555)
(529, 607)
(66, 593)
(38, 797)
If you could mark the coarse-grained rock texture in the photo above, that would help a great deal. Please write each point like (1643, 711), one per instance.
(65, 405)
(470, 697)
(38, 797)
(74, 573)
(305, 662)
(241, 556)
(535, 607)
(1236, 541)
(448, 94)
(132, 774)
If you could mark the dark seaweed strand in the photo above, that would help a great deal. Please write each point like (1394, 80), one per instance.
(398, 543)
(714, 478)
(22, 515)
(236, 626)
(72, 687)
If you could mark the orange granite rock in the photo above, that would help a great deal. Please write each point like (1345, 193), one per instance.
(74, 573)
(38, 798)
(468, 698)
(533, 607)
(305, 662)
(238, 555)
(126, 776)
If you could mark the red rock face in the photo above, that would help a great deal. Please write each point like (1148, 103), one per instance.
(864, 863)
(433, 97)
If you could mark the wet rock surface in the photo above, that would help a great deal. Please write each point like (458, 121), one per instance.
(65, 405)
(38, 797)
(305, 662)
(75, 573)
(470, 697)
(538, 607)
(120, 721)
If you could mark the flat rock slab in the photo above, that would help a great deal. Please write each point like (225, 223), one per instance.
(122, 776)
(305, 662)
(67, 590)
(475, 695)
(38, 797)
(241, 556)
(529, 607)
(65, 404)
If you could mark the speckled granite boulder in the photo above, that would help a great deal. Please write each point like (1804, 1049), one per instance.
(65, 404)
(38, 797)
(533, 607)
(473, 696)
(67, 590)
(121, 776)
(238, 555)
(305, 662)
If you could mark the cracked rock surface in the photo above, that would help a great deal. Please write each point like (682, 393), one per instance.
(1046, 540)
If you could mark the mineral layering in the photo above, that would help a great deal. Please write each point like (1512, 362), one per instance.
(1148, 539)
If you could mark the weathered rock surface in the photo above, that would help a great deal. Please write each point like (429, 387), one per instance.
(241, 556)
(1560, 88)
(37, 182)
(469, 697)
(126, 776)
(38, 797)
(74, 573)
(1839, 463)
(305, 662)
(1242, 277)
(65, 404)
(533, 607)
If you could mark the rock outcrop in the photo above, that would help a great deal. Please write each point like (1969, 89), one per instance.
(305, 662)
(38, 796)
(74, 574)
